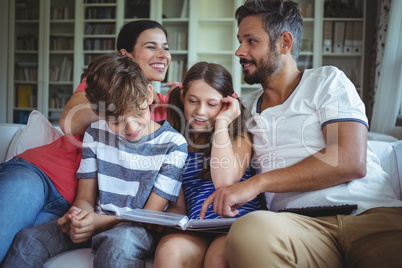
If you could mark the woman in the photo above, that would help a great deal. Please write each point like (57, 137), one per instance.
(39, 185)
(146, 42)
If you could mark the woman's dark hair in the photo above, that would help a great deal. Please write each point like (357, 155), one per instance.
(128, 37)
(218, 78)
(129, 33)
(277, 16)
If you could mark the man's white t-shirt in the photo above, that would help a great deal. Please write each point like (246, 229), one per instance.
(288, 133)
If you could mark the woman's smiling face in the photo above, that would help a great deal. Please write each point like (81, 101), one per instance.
(151, 52)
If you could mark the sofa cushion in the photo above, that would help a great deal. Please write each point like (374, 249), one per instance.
(79, 258)
(386, 153)
(38, 131)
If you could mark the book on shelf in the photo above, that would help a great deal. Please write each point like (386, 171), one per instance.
(327, 36)
(62, 13)
(27, 42)
(178, 40)
(307, 10)
(21, 117)
(176, 71)
(177, 221)
(24, 93)
(339, 36)
(59, 100)
(61, 43)
(26, 71)
(357, 37)
(184, 9)
(349, 32)
(64, 71)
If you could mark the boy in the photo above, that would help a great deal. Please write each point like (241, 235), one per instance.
(128, 161)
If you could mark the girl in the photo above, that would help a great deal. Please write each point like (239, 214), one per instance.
(205, 109)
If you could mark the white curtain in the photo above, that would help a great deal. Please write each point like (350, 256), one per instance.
(389, 93)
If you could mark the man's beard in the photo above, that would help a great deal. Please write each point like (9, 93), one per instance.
(266, 69)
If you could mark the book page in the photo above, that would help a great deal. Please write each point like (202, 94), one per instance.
(210, 224)
(155, 217)
(177, 220)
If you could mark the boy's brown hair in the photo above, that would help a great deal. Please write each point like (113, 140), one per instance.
(116, 84)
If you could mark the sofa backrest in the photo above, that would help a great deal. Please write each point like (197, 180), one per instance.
(7, 134)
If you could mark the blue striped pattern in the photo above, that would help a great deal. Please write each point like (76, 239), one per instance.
(197, 190)
(128, 171)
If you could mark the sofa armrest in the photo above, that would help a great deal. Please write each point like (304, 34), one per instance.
(397, 146)
(7, 133)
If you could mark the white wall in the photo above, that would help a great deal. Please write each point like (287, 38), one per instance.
(4, 59)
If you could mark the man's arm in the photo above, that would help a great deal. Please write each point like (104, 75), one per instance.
(343, 160)
(77, 115)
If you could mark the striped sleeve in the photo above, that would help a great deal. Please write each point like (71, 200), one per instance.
(88, 167)
(168, 181)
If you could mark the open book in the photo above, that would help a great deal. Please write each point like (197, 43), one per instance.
(177, 220)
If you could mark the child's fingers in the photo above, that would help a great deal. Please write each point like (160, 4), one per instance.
(80, 237)
(83, 220)
(82, 214)
(75, 210)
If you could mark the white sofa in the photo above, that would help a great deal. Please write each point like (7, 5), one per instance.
(389, 154)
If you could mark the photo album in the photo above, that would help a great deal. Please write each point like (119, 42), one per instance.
(177, 221)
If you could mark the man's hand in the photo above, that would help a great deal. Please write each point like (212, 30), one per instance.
(227, 200)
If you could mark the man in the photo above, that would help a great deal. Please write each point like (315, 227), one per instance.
(310, 137)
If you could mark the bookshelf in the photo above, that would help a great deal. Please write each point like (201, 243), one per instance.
(99, 27)
(24, 60)
(334, 34)
(213, 32)
(41, 37)
(347, 25)
(98, 33)
(60, 86)
(46, 36)
(176, 22)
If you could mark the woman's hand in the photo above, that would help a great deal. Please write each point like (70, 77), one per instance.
(172, 85)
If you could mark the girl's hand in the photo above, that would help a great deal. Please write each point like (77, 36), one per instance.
(82, 226)
(230, 109)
